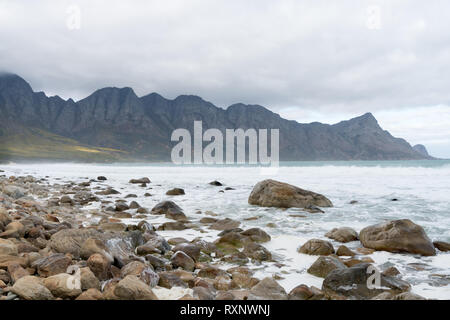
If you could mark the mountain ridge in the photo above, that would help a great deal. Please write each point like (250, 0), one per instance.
(140, 127)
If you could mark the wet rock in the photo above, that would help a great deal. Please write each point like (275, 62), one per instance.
(391, 271)
(345, 251)
(122, 215)
(178, 225)
(100, 266)
(121, 207)
(134, 205)
(131, 288)
(113, 226)
(208, 220)
(140, 181)
(168, 279)
(225, 295)
(66, 200)
(52, 265)
(175, 192)
(397, 236)
(71, 240)
(324, 265)
(257, 235)
(91, 246)
(14, 191)
(210, 272)
(58, 286)
(191, 250)
(344, 234)
(159, 243)
(303, 292)
(88, 279)
(267, 289)
(108, 192)
(353, 283)
(317, 247)
(31, 288)
(101, 178)
(14, 229)
(8, 247)
(141, 271)
(157, 263)
(442, 246)
(231, 240)
(16, 272)
(225, 224)
(271, 193)
(5, 260)
(142, 210)
(216, 183)
(257, 252)
(182, 260)
(203, 293)
(146, 249)
(170, 210)
(90, 294)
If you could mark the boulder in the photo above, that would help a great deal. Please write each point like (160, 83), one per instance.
(303, 292)
(16, 271)
(191, 250)
(170, 210)
(88, 279)
(141, 271)
(169, 279)
(442, 246)
(397, 236)
(31, 288)
(61, 286)
(317, 247)
(181, 260)
(271, 193)
(131, 288)
(225, 224)
(345, 251)
(256, 252)
(175, 192)
(71, 240)
(324, 265)
(52, 265)
(140, 181)
(7, 247)
(256, 235)
(344, 234)
(91, 246)
(14, 229)
(354, 283)
(90, 294)
(267, 289)
(100, 266)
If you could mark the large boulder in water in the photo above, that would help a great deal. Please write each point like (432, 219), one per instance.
(271, 193)
(397, 236)
(358, 282)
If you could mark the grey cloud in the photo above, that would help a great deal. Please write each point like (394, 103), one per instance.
(312, 55)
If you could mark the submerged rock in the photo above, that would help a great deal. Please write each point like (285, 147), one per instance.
(397, 236)
(271, 193)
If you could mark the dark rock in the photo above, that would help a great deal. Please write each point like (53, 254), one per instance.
(182, 260)
(101, 178)
(216, 183)
(271, 193)
(175, 192)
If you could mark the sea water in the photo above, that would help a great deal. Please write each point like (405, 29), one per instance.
(422, 189)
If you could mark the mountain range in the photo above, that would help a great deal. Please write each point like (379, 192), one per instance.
(114, 124)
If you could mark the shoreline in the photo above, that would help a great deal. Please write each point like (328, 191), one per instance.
(79, 210)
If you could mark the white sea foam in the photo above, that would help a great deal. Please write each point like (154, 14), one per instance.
(421, 188)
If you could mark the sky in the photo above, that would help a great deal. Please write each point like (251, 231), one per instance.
(308, 61)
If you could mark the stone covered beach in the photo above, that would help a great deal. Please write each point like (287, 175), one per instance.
(86, 240)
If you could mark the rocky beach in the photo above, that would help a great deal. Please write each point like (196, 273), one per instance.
(92, 239)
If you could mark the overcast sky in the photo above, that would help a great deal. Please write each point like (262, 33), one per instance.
(307, 60)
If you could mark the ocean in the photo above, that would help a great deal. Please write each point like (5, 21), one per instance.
(422, 189)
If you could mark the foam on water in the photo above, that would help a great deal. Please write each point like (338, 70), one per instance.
(422, 190)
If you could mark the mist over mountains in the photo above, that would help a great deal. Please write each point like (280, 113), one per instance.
(114, 124)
